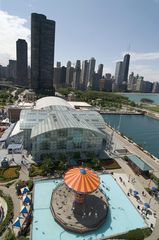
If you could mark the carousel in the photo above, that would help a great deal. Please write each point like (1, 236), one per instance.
(78, 204)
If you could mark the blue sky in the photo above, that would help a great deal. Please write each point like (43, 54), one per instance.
(104, 29)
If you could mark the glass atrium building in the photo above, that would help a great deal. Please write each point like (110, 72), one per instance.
(54, 127)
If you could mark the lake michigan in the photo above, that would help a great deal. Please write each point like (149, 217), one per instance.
(141, 129)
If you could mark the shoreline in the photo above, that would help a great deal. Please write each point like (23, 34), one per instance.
(134, 143)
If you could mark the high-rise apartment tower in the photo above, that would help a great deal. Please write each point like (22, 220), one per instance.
(42, 52)
(91, 70)
(22, 63)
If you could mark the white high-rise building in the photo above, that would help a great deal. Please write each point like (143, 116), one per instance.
(91, 70)
(84, 74)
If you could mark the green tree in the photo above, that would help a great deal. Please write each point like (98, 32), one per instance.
(62, 165)
(48, 165)
(9, 235)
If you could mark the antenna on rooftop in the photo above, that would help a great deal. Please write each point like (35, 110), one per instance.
(129, 48)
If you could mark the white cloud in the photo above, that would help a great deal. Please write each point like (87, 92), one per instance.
(12, 28)
(139, 56)
(147, 71)
(107, 70)
(138, 64)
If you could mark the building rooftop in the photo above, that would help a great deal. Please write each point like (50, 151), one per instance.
(79, 104)
(139, 163)
(65, 114)
(7, 133)
(16, 129)
(62, 120)
(51, 101)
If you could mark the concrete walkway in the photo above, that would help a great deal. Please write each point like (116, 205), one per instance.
(139, 185)
(11, 191)
(132, 148)
(126, 185)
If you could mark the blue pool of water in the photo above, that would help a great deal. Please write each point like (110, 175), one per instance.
(122, 215)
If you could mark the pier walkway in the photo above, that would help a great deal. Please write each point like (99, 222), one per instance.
(134, 149)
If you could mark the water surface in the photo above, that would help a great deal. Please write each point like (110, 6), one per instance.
(142, 129)
(136, 97)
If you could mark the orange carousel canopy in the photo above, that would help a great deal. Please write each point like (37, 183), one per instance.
(82, 180)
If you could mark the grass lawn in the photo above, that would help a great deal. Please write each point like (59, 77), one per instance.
(110, 164)
(35, 170)
(151, 107)
(10, 173)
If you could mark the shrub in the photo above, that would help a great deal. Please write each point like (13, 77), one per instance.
(23, 238)
(20, 184)
(35, 170)
(110, 164)
(9, 215)
(126, 158)
(96, 164)
(30, 184)
(9, 235)
(155, 179)
(137, 234)
(10, 173)
(9, 184)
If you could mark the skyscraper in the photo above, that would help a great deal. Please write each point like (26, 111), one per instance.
(100, 70)
(69, 64)
(77, 75)
(84, 74)
(42, 52)
(91, 70)
(121, 74)
(155, 88)
(59, 77)
(125, 68)
(69, 74)
(12, 70)
(22, 62)
(118, 73)
(58, 64)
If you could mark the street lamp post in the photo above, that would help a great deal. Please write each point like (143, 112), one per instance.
(150, 200)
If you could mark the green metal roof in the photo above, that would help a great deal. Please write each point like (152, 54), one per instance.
(139, 163)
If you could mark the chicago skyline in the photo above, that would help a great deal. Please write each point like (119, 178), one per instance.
(107, 37)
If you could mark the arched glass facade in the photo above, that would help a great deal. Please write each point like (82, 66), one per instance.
(68, 140)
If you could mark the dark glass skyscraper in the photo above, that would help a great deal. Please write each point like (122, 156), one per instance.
(42, 52)
(121, 74)
(118, 73)
(22, 63)
(100, 70)
(125, 68)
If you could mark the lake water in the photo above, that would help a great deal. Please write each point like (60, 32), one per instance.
(136, 97)
(142, 129)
